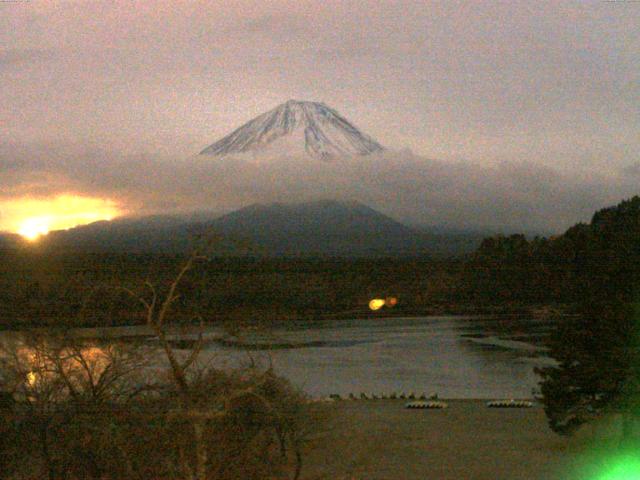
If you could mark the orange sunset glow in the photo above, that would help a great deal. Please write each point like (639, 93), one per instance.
(33, 217)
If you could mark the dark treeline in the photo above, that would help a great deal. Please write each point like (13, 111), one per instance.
(506, 273)
(598, 350)
(593, 272)
(91, 289)
(591, 262)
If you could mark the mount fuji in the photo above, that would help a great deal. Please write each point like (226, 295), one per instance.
(294, 128)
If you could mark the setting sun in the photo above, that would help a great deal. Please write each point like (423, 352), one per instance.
(33, 217)
(33, 228)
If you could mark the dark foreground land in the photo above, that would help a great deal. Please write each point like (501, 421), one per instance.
(383, 440)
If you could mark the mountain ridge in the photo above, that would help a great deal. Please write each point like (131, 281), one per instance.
(325, 228)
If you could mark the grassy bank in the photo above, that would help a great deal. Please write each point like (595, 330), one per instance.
(383, 440)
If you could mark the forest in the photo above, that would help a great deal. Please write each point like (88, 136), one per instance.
(505, 274)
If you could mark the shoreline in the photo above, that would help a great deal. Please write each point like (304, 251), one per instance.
(529, 314)
(540, 311)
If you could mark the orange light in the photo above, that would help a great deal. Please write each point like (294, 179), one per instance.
(31, 379)
(33, 228)
(34, 217)
(391, 301)
(376, 304)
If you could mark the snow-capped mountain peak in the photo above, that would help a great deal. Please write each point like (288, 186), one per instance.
(296, 127)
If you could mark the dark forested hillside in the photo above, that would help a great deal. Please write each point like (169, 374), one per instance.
(37, 289)
(597, 350)
(589, 263)
(312, 229)
(599, 260)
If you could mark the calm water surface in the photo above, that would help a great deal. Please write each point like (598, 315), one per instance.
(455, 357)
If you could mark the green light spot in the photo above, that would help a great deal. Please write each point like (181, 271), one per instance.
(625, 468)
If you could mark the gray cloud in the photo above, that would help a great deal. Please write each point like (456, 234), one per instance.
(509, 196)
(531, 107)
(551, 82)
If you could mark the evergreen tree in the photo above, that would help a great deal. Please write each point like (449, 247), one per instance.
(598, 351)
(598, 355)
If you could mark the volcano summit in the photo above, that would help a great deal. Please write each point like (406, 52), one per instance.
(293, 128)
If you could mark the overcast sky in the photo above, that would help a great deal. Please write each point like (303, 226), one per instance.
(95, 91)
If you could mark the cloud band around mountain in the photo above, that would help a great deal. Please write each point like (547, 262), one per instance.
(509, 196)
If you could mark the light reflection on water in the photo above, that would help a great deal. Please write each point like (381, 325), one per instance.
(455, 357)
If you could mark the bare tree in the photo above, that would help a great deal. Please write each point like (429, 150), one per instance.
(203, 402)
(88, 411)
(59, 380)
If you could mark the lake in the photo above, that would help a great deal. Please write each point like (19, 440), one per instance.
(453, 357)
